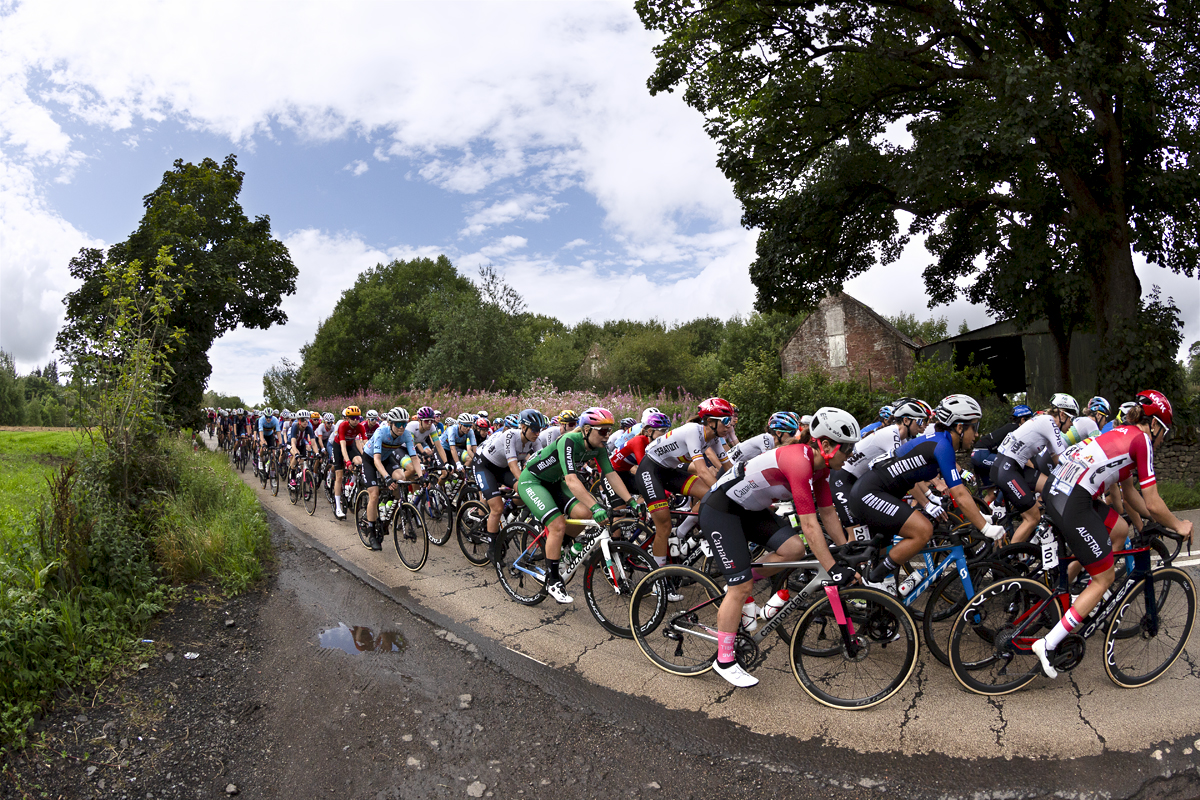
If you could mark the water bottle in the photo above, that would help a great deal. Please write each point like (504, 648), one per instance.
(911, 582)
(749, 616)
(777, 601)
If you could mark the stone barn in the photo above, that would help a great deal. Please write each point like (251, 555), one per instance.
(846, 339)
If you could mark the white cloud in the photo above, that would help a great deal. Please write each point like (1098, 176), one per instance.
(522, 207)
(356, 168)
(571, 245)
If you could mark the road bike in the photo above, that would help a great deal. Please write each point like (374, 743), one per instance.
(470, 525)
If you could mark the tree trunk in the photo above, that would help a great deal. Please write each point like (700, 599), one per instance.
(1062, 345)
(1116, 290)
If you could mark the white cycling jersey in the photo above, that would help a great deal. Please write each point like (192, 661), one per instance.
(879, 443)
(505, 446)
(414, 430)
(546, 438)
(749, 448)
(1025, 441)
(678, 448)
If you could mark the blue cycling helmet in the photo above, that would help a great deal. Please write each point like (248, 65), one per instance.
(511, 421)
(1022, 411)
(1099, 404)
(783, 422)
(534, 419)
(885, 413)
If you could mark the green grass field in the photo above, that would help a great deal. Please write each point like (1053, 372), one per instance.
(26, 459)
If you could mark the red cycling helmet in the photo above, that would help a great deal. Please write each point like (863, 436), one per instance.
(1155, 404)
(715, 407)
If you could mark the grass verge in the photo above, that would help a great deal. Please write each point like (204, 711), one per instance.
(1179, 496)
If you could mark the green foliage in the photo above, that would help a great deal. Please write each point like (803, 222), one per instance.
(929, 331)
(1142, 352)
(283, 387)
(238, 274)
(217, 400)
(12, 395)
(1178, 495)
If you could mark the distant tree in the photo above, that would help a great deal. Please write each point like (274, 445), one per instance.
(282, 386)
(12, 393)
(1193, 368)
(237, 273)
(928, 331)
(963, 327)
(218, 400)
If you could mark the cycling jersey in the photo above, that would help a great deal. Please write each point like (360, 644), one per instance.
(678, 448)
(267, 426)
(617, 440)
(784, 473)
(419, 436)
(920, 459)
(1081, 428)
(370, 426)
(1025, 441)
(874, 426)
(323, 431)
(991, 441)
(452, 438)
(884, 442)
(1097, 464)
(754, 446)
(385, 443)
(348, 431)
(566, 456)
(630, 454)
(546, 438)
(301, 431)
(504, 446)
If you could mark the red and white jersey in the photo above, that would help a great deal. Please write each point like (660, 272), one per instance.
(1099, 462)
(785, 473)
(678, 448)
(1041, 431)
(348, 431)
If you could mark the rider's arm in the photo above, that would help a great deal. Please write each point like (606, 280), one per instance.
(1156, 509)
(1126, 493)
(833, 525)
(705, 472)
(816, 539)
(580, 491)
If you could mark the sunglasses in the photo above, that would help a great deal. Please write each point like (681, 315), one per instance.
(605, 432)
(722, 420)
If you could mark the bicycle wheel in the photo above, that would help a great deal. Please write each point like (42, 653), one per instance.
(361, 500)
(308, 488)
(515, 539)
(293, 487)
(990, 638)
(884, 653)
(1136, 660)
(470, 526)
(608, 589)
(410, 537)
(947, 598)
(439, 518)
(261, 469)
(273, 476)
(1024, 559)
(680, 638)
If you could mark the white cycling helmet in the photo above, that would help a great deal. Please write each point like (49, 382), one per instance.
(1066, 403)
(466, 419)
(646, 414)
(836, 424)
(301, 414)
(373, 414)
(328, 418)
(958, 408)
(397, 416)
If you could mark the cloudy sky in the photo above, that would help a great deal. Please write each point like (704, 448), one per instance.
(516, 134)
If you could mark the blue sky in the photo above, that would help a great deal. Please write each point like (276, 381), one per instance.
(519, 134)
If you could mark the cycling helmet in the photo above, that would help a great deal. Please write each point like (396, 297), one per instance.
(1022, 411)
(1155, 404)
(784, 422)
(483, 414)
(836, 424)
(285, 415)
(241, 411)
(1065, 402)
(511, 421)
(425, 412)
(302, 413)
(397, 416)
(328, 418)
(627, 423)
(715, 407)
(372, 414)
(481, 422)
(958, 408)
(465, 419)
(885, 413)
(806, 421)
(221, 413)
(1098, 403)
(658, 421)
(534, 419)
(596, 416)
(568, 417)
(314, 415)
(351, 411)
(909, 407)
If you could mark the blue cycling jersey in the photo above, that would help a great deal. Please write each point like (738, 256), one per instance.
(268, 425)
(384, 443)
(451, 438)
(872, 427)
(919, 459)
(296, 432)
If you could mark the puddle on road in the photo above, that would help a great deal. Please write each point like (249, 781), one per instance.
(360, 639)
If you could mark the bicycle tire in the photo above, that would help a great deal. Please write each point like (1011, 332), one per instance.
(679, 638)
(522, 587)
(982, 655)
(409, 537)
(308, 488)
(439, 518)
(1024, 558)
(1158, 643)
(887, 636)
(470, 527)
(293, 491)
(361, 501)
(609, 601)
(947, 598)
(273, 476)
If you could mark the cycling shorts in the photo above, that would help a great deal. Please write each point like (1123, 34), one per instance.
(981, 463)
(627, 478)
(654, 481)
(876, 507)
(351, 452)
(271, 439)
(490, 478)
(1084, 523)
(1014, 481)
(545, 501)
(840, 484)
(730, 528)
(391, 464)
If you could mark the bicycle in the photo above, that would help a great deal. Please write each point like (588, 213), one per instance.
(470, 525)
(431, 499)
(865, 661)
(612, 569)
(1147, 617)
(409, 536)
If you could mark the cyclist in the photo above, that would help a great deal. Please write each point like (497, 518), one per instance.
(885, 414)
(1119, 419)
(675, 463)
(301, 437)
(1013, 472)
(738, 511)
(325, 435)
(268, 432)
(1089, 424)
(500, 460)
(459, 441)
(551, 486)
(876, 497)
(390, 456)
(908, 417)
(779, 424)
(567, 420)
(620, 436)
(626, 459)
(984, 453)
(1093, 529)
(346, 438)
(424, 436)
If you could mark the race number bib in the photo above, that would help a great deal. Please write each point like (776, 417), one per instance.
(1067, 476)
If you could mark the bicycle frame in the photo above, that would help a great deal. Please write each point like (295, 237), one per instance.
(601, 540)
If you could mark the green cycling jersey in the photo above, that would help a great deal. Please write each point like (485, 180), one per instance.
(565, 456)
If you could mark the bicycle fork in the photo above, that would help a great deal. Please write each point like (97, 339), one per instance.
(843, 621)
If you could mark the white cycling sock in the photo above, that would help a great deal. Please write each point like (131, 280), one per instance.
(687, 524)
